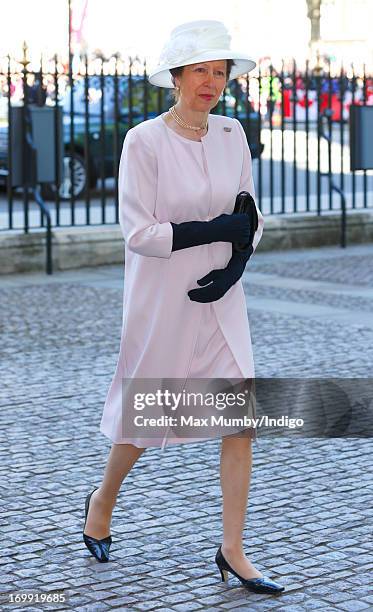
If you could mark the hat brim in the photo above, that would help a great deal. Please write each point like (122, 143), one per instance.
(161, 76)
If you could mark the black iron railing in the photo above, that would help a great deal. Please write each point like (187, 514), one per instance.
(281, 108)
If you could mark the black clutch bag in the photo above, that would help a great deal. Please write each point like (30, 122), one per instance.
(245, 204)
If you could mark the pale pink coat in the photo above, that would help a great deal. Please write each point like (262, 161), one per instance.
(165, 177)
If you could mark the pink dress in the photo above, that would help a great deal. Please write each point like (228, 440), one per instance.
(165, 177)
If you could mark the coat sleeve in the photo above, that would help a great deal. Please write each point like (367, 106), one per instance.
(137, 185)
(247, 183)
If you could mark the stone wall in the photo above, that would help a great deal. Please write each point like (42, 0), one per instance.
(103, 245)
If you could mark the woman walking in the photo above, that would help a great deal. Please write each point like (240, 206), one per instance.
(184, 310)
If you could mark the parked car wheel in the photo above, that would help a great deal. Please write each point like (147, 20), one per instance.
(80, 180)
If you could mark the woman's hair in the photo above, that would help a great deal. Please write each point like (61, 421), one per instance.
(179, 70)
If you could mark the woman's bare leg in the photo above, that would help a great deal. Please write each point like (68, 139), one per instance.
(235, 476)
(120, 461)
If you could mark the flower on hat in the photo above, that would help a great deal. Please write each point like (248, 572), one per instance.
(185, 44)
(182, 46)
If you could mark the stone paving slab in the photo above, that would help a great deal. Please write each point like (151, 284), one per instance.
(309, 520)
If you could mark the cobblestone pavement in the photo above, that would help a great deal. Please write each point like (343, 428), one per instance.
(309, 515)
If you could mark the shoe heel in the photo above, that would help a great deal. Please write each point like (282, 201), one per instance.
(224, 575)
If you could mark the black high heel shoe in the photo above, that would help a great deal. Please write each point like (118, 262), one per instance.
(258, 585)
(98, 548)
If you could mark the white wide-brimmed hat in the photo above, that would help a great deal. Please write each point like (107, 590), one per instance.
(194, 42)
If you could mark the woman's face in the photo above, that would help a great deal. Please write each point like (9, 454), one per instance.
(202, 84)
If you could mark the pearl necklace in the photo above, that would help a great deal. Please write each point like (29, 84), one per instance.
(183, 124)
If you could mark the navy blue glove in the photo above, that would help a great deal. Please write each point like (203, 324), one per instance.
(224, 228)
(221, 280)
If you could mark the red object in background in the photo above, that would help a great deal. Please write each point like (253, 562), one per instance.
(303, 102)
(369, 86)
(287, 105)
(335, 105)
